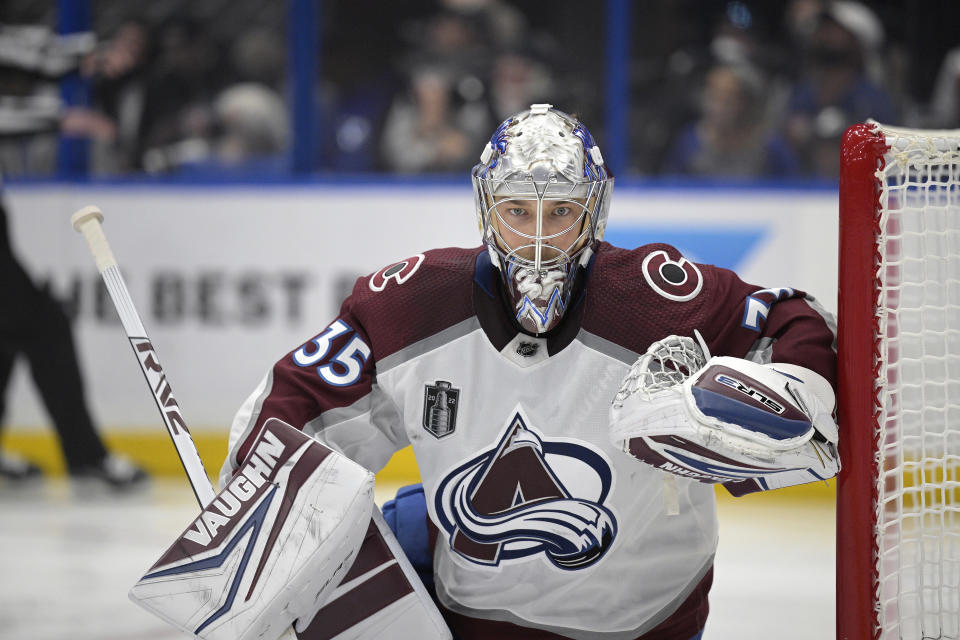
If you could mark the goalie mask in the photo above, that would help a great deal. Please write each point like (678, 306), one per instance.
(542, 192)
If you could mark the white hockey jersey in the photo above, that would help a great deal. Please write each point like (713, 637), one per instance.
(541, 522)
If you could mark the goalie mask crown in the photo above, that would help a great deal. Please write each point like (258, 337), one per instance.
(541, 192)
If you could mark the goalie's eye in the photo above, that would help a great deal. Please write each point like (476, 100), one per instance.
(562, 211)
(517, 212)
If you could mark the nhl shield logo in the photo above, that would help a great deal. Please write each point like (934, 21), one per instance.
(440, 402)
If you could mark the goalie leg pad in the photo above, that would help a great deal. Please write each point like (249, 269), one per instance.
(381, 597)
(270, 548)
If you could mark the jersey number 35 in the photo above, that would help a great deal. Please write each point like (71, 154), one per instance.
(342, 369)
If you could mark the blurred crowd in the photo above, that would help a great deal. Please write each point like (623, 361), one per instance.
(730, 89)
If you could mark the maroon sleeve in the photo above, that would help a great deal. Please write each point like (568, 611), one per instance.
(333, 369)
(771, 325)
(636, 297)
(398, 305)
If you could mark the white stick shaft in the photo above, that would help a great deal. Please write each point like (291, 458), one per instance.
(87, 221)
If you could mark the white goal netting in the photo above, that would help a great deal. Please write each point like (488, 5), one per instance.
(918, 383)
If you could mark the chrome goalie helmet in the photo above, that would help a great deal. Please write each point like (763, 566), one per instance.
(542, 193)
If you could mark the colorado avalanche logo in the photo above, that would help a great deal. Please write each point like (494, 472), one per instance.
(678, 280)
(511, 502)
(399, 271)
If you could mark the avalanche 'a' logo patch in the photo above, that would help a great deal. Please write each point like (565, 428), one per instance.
(529, 496)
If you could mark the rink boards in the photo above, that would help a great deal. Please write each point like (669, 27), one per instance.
(228, 278)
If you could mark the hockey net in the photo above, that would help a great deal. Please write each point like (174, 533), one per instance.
(898, 499)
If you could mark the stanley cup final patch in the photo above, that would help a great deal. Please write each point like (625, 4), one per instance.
(440, 402)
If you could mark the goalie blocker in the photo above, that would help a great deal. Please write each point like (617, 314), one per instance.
(746, 425)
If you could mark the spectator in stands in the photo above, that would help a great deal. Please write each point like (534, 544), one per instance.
(671, 68)
(435, 127)
(729, 139)
(835, 84)
(250, 134)
(518, 78)
(197, 125)
(253, 124)
(444, 115)
(181, 85)
(249, 127)
(116, 70)
(152, 97)
(358, 85)
(800, 18)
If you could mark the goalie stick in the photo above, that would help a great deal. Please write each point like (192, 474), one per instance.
(381, 591)
(87, 221)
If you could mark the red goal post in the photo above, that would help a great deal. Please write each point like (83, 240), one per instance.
(898, 496)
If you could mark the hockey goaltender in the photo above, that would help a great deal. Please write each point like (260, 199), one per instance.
(570, 405)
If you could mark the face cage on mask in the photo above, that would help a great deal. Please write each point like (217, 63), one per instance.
(490, 202)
